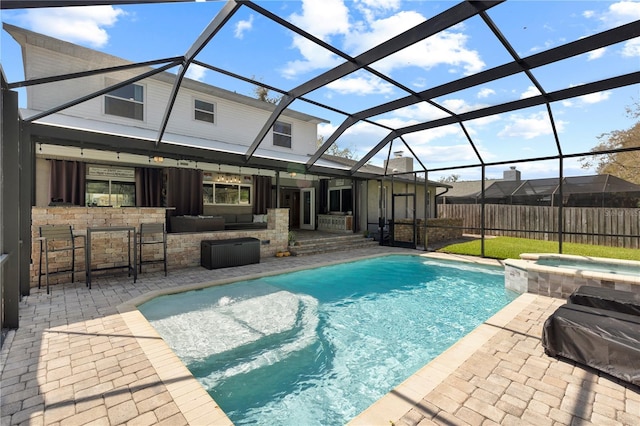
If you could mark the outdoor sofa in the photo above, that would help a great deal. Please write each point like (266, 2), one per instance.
(223, 222)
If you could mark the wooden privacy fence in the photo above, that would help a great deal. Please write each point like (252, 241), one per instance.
(588, 225)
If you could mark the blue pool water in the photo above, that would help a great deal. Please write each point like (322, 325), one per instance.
(317, 347)
(591, 265)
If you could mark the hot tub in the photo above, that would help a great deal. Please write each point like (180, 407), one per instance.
(558, 275)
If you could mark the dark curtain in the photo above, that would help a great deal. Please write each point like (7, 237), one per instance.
(261, 194)
(67, 182)
(148, 187)
(323, 197)
(185, 191)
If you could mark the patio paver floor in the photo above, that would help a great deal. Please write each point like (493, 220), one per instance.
(76, 360)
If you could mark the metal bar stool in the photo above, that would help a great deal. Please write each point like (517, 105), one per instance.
(153, 233)
(54, 239)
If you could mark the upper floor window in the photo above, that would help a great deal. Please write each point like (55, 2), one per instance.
(282, 134)
(127, 101)
(204, 111)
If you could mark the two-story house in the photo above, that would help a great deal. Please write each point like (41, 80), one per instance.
(97, 143)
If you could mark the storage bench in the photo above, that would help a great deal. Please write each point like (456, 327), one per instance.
(216, 254)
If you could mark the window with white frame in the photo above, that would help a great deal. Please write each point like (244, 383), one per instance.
(282, 134)
(226, 189)
(110, 186)
(204, 111)
(127, 101)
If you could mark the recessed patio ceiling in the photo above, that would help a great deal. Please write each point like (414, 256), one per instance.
(441, 132)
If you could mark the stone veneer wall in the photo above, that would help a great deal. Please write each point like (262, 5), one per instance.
(519, 278)
(110, 249)
(403, 231)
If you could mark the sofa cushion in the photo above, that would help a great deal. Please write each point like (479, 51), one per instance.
(196, 223)
(259, 218)
(229, 218)
(244, 218)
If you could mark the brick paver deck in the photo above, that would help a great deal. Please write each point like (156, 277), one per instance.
(85, 357)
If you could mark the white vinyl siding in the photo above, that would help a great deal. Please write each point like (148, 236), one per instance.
(236, 123)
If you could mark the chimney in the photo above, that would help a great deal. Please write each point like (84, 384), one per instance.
(398, 163)
(511, 174)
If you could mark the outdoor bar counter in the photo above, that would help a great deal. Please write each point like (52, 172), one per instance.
(183, 249)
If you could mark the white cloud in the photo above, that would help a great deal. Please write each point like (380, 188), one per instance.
(82, 25)
(329, 19)
(314, 57)
(372, 8)
(530, 92)
(445, 48)
(621, 13)
(591, 98)
(454, 153)
(485, 93)
(594, 98)
(196, 72)
(529, 127)
(419, 83)
(459, 106)
(631, 48)
(381, 4)
(418, 140)
(242, 27)
(322, 18)
(361, 86)
(422, 111)
(596, 54)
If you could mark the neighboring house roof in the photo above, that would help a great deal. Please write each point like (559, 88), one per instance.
(466, 188)
(546, 186)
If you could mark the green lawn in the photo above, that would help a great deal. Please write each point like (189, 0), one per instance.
(510, 248)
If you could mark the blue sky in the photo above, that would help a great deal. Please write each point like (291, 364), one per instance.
(253, 46)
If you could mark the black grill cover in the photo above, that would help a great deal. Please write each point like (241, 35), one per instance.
(605, 340)
(606, 298)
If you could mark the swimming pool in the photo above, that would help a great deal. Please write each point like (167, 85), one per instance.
(319, 346)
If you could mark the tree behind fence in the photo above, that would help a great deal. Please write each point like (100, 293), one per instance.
(600, 226)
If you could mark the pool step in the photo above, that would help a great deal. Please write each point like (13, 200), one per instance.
(332, 243)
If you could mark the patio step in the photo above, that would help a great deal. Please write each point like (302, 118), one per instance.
(329, 244)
